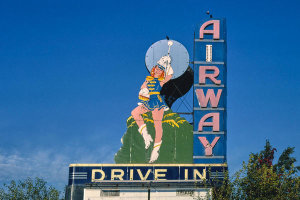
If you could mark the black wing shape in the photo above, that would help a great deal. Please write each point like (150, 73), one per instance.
(178, 87)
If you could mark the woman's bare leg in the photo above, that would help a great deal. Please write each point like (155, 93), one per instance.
(157, 118)
(137, 116)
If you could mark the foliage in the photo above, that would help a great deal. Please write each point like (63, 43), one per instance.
(263, 180)
(28, 189)
(223, 190)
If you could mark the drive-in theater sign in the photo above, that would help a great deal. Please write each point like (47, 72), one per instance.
(161, 150)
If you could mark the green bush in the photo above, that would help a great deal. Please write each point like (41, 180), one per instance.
(260, 179)
(177, 141)
(28, 189)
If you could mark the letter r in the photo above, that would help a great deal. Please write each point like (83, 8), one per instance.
(212, 76)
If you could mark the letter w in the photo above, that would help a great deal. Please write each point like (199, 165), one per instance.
(210, 96)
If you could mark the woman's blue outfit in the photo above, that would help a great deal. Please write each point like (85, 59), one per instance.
(155, 100)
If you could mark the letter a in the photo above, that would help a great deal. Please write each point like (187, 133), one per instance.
(210, 96)
(215, 31)
(215, 121)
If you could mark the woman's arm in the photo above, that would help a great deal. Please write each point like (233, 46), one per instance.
(169, 74)
(144, 85)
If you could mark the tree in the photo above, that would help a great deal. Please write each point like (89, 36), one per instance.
(29, 189)
(261, 179)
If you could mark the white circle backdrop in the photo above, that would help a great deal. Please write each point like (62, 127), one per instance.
(178, 53)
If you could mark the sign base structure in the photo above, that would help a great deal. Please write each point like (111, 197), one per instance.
(143, 181)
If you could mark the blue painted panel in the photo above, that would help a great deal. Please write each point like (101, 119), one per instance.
(198, 114)
(170, 173)
(219, 59)
(222, 101)
(222, 74)
(218, 51)
(210, 161)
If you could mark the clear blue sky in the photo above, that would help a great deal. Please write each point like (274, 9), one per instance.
(70, 72)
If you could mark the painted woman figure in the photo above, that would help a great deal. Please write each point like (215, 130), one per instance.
(152, 101)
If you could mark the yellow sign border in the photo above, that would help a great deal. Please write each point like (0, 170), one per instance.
(150, 165)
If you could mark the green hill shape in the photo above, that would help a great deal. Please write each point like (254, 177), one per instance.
(177, 141)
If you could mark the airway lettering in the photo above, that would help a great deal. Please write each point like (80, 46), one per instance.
(210, 96)
(207, 146)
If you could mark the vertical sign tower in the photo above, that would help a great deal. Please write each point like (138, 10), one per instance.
(210, 69)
